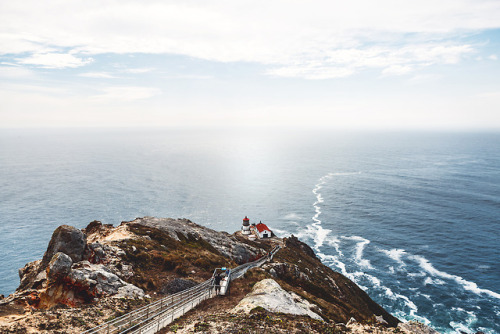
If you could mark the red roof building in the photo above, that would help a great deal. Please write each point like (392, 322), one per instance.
(263, 230)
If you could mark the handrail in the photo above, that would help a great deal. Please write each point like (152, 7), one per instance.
(156, 314)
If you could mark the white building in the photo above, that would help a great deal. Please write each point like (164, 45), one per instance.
(263, 231)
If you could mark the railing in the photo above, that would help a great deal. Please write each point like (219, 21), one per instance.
(152, 317)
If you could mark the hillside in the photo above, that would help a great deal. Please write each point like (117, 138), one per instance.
(92, 275)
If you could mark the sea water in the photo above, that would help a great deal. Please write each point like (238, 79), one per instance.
(413, 218)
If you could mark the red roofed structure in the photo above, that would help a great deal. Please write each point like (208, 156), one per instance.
(263, 230)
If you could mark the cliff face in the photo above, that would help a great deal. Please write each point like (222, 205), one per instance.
(100, 272)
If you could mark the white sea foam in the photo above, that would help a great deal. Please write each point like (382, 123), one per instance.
(395, 254)
(360, 247)
(320, 233)
(409, 303)
(335, 243)
(467, 285)
(435, 281)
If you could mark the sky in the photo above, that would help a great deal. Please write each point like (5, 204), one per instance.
(360, 64)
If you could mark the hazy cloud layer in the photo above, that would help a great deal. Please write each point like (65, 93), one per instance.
(309, 39)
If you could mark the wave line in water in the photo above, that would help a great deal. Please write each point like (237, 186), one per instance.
(360, 247)
(322, 233)
(467, 285)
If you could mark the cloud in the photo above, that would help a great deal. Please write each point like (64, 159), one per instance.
(393, 60)
(311, 39)
(137, 70)
(97, 75)
(54, 60)
(15, 72)
(492, 57)
(397, 70)
(130, 93)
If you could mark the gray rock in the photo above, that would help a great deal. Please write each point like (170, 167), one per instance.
(415, 327)
(226, 244)
(130, 291)
(28, 275)
(380, 319)
(68, 240)
(59, 266)
(284, 269)
(100, 281)
(95, 253)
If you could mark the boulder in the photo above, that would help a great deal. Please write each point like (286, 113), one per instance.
(68, 240)
(269, 295)
(415, 327)
(98, 281)
(59, 266)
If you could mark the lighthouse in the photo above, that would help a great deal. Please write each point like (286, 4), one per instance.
(245, 229)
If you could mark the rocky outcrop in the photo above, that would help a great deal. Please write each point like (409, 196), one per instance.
(415, 327)
(269, 295)
(283, 269)
(73, 272)
(101, 264)
(68, 240)
(226, 244)
(59, 267)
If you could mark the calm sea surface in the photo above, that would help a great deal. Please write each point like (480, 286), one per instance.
(412, 218)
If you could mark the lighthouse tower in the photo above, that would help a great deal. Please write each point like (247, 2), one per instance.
(245, 229)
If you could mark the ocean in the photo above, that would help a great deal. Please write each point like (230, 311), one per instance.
(413, 218)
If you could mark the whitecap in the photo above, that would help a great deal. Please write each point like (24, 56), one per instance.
(360, 247)
(437, 281)
(335, 243)
(467, 285)
(395, 254)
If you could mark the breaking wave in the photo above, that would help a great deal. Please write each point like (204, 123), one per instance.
(467, 285)
(347, 254)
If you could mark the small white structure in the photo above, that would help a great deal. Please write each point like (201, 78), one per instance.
(245, 229)
(263, 231)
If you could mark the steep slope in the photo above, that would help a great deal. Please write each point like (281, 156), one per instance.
(101, 272)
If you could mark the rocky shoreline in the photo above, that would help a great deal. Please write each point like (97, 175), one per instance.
(89, 276)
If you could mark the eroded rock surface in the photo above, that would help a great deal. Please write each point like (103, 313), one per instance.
(68, 240)
(414, 327)
(269, 295)
(223, 242)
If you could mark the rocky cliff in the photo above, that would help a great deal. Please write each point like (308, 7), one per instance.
(92, 275)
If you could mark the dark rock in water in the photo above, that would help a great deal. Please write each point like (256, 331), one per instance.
(176, 285)
(59, 266)
(68, 240)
